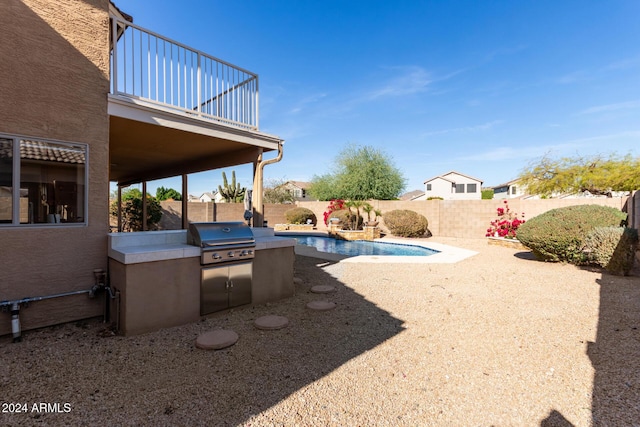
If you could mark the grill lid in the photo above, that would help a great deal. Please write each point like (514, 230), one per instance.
(217, 234)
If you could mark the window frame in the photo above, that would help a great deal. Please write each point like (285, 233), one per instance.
(475, 187)
(16, 178)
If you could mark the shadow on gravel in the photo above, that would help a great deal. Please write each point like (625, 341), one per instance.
(525, 255)
(162, 379)
(616, 353)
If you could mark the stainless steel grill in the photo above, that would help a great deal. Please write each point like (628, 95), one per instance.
(227, 250)
(222, 241)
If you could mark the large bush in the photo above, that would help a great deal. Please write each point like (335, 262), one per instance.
(613, 248)
(132, 213)
(405, 223)
(559, 234)
(300, 216)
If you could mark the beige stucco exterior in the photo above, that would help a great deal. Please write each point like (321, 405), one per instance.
(53, 85)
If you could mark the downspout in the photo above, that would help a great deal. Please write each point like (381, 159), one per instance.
(258, 208)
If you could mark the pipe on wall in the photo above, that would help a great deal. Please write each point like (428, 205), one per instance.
(14, 305)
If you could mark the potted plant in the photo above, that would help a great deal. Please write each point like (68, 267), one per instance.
(372, 215)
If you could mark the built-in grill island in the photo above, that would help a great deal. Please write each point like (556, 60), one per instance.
(167, 278)
(226, 259)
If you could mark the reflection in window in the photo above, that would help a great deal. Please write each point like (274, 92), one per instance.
(6, 180)
(52, 177)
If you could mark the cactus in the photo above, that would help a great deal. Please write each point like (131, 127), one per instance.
(232, 193)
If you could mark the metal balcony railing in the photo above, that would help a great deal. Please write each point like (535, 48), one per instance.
(150, 67)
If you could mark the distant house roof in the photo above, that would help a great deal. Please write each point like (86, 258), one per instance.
(300, 184)
(411, 195)
(443, 176)
(506, 184)
(41, 150)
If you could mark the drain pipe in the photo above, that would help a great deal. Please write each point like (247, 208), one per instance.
(258, 208)
(14, 306)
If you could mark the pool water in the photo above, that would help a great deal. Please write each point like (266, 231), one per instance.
(362, 247)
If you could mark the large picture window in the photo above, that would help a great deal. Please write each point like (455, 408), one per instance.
(42, 181)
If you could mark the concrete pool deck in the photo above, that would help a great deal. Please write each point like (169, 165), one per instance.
(446, 254)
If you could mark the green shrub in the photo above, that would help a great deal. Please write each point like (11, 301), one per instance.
(300, 216)
(558, 234)
(347, 218)
(435, 198)
(613, 248)
(405, 223)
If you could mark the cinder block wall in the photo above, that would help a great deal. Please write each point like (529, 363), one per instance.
(468, 218)
(205, 212)
(447, 218)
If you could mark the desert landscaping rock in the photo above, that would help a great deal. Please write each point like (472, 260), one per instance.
(297, 281)
(497, 339)
(271, 322)
(216, 340)
(321, 305)
(323, 289)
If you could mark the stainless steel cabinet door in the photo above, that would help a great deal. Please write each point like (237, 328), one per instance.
(240, 278)
(214, 292)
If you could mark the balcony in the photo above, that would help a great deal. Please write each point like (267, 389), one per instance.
(174, 110)
(149, 67)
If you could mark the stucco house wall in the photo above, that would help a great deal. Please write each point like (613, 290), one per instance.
(444, 186)
(53, 85)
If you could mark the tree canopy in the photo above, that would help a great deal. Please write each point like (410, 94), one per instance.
(167, 193)
(595, 174)
(276, 192)
(360, 173)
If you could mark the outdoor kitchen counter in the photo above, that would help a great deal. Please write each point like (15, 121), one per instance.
(157, 277)
(149, 246)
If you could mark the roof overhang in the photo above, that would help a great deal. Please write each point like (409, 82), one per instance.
(148, 142)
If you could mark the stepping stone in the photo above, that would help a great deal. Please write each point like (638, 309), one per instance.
(216, 340)
(271, 322)
(323, 289)
(321, 305)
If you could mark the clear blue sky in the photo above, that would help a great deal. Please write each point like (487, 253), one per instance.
(480, 87)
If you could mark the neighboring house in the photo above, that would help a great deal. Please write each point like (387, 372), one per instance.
(211, 197)
(78, 111)
(412, 195)
(299, 190)
(453, 186)
(509, 190)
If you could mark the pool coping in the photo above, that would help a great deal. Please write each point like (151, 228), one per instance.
(446, 254)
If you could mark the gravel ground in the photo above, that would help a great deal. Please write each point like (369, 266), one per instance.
(495, 340)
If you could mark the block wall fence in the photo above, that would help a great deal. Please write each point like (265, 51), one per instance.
(447, 218)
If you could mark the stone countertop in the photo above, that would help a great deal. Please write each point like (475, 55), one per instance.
(150, 246)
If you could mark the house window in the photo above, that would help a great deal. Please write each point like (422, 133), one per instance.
(459, 188)
(428, 187)
(513, 190)
(472, 188)
(42, 181)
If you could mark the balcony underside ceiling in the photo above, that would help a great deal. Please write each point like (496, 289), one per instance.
(147, 143)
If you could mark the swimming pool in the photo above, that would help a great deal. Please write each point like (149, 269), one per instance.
(362, 247)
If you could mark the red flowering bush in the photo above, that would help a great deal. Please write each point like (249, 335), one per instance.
(334, 205)
(506, 224)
